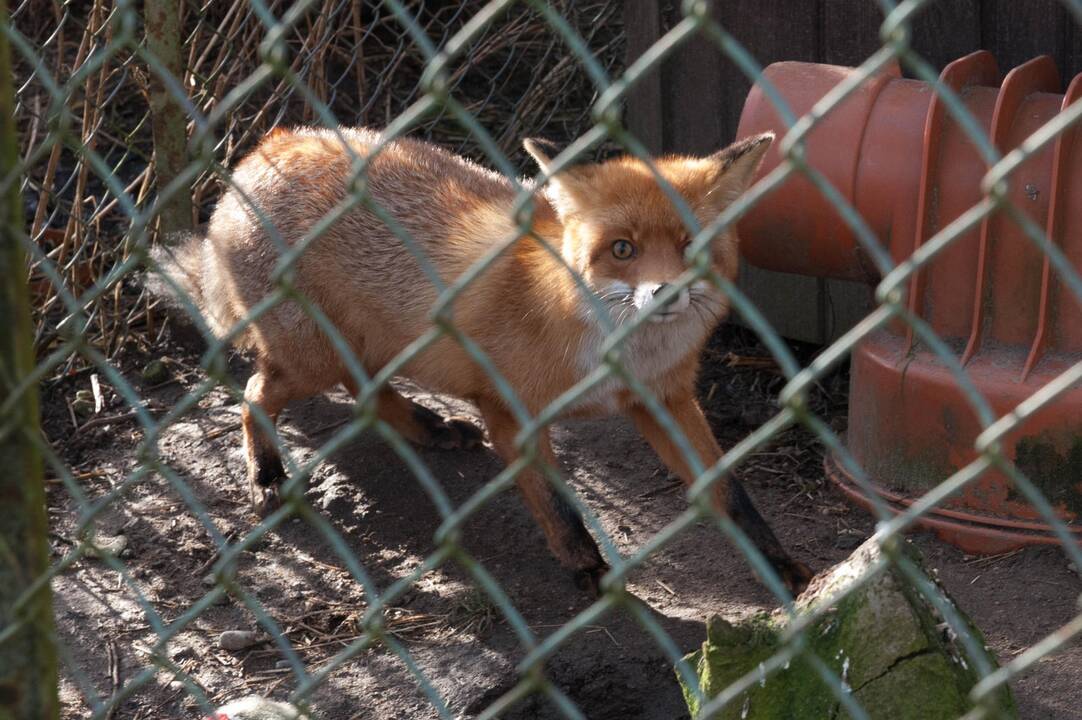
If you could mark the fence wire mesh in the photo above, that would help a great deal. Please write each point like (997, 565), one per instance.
(102, 179)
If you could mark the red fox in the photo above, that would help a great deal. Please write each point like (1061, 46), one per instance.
(611, 223)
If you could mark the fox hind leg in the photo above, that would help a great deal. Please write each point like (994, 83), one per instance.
(272, 390)
(420, 425)
(266, 389)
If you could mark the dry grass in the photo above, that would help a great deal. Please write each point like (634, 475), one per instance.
(518, 79)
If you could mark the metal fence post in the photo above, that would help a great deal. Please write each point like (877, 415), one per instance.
(168, 120)
(28, 667)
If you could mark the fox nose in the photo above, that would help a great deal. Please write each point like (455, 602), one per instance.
(676, 302)
(647, 292)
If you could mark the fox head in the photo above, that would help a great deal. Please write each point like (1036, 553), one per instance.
(624, 236)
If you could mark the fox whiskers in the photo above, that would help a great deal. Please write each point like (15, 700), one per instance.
(709, 312)
(617, 300)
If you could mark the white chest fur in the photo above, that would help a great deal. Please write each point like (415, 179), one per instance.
(648, 354)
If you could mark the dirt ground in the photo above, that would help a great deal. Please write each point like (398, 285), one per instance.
(613, 669)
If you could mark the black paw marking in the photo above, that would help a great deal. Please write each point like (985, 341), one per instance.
(589, 580)
(462, 434)
(454, 433)
(269, 470)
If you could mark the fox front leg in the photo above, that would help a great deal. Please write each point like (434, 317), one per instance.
(561, 523)
(729, 495)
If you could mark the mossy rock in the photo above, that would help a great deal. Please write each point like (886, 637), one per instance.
(885, 641)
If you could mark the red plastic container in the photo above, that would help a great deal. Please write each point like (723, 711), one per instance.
(898, 156)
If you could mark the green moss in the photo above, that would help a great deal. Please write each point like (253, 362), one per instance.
(923, 687)
(883, 641)
(731, 651)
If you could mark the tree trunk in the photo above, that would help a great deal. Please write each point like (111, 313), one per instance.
(28, 680)
(169, 122)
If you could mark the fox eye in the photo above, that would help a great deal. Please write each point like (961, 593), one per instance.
(623, 249)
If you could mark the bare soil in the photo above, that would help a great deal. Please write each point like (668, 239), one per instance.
(612, 669)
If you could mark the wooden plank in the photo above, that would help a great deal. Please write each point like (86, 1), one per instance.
(849, 31)
(790, 302)
(1072, 61)
(1072, 55)
(945, 31)
(1019, 31)
(771, 30)
(845, 303)
(644, 114)
(695, 112)
(704, 90)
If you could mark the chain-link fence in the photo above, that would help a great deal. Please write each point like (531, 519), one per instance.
(132, 119)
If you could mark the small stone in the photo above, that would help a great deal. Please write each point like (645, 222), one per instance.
(83, 403)
(155, 372)
(234, 640)
(210, 580)
(283, 665)
(114, 545)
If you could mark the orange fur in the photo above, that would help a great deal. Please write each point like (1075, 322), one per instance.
(525, 311)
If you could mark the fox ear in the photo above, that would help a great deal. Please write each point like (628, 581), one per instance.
(537, 150)
(736, 165)
(563, 190)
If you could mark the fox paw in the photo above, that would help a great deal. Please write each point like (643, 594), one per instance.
(263, 481)
(265, 500)
(796, 576)
(589, 580)
(454, 433)
(459, 433)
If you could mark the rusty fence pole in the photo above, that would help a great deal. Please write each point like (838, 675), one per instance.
(169, 122)
(28, 675)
